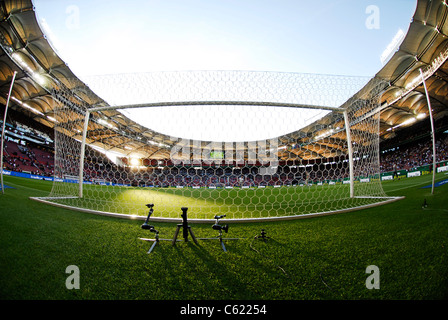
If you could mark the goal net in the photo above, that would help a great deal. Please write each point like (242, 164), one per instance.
(249, 145)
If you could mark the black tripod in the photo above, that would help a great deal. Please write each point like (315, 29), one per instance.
(186, 228)
(220, 228)
(262, 236)
(146, 226)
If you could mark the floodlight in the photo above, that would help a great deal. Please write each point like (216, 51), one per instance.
(134, 162)
(421, 116)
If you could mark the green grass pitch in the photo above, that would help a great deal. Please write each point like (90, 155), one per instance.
(311, 259)
(205, 203)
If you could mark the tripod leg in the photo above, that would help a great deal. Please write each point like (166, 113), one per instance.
(185, 232)
(175, 235)
(222, 245)
(192, 235)
(152, 247)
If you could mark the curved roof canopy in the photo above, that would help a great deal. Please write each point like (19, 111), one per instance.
(26, 50)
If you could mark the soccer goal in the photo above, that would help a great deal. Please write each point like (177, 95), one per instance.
(248, 145)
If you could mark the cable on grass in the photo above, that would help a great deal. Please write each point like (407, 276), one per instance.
(264, 256)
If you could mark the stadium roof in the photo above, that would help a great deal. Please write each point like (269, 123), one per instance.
(25, 49)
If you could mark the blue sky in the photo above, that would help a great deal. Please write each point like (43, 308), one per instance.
(324, 37)
(344, 37)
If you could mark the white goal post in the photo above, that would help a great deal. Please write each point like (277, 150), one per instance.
(326, 159)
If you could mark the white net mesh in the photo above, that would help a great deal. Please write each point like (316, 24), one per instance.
(292, 159)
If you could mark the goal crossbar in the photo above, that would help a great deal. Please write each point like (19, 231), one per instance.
(216, 103)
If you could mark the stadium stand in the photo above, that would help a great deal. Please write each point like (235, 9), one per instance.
(28, 147)
(410, 149)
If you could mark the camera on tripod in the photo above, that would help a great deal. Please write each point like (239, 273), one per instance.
(145, 225)
(186, 228)
(219, 227)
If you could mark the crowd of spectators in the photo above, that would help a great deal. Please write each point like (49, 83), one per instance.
(413, 155)
(38, 159)
(213, 176)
